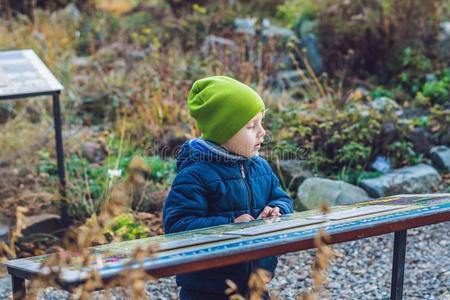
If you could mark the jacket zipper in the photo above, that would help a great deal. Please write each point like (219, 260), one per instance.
(250, 200)
(250, 267)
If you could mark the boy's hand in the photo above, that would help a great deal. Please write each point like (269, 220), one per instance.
(243, 218)
(268, 212)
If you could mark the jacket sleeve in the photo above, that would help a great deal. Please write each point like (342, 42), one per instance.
(186, 205)
(279, 198)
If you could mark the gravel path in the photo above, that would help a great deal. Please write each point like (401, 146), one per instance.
(362, 272)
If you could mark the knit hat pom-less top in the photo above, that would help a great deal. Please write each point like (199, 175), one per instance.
(221, 106)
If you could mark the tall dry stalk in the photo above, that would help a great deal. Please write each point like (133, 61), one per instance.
(257, 284)
(76, 243)
(321, 261)
(8, 251)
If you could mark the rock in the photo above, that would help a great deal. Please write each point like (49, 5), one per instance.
(73, 12)
(420, 141)
(289, 79)
(421, 178)
(137, 55)
(245, 25)
(444, 39)
(43, 223)
(384, 104)
(293, 172)
(334, 285)
(315, 190)
(440, 156)
(224, 48)
(270, 30)
(93, 152)
(308, 41)
(415, 112)
(381, 164)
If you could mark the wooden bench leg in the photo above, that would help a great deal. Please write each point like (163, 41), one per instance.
(398, 265)
(18, 288)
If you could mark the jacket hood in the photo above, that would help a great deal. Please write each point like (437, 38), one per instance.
(204, 150)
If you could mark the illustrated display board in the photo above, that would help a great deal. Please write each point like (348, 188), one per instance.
(22, 72)
(274, 226)
(356, 212)
(243, 238)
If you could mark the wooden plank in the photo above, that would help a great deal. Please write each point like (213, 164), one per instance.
(193, 241)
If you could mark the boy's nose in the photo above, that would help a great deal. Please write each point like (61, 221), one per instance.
(262, 132)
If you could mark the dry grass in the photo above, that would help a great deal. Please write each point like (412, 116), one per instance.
(22, 136)
(8, 251)
(51, 36)
(321, 262)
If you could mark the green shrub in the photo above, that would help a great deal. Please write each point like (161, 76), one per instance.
(381, 92)
(438, 91)
(95, 31)
(355, 176)
(333, 138)
(125, 228)
(291, 11)
(414, 68)
(402, 153)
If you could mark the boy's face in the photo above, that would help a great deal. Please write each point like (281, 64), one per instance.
(247, 141)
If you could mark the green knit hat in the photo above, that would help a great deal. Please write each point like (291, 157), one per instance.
(221, 106)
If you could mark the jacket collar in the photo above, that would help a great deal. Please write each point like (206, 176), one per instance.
(203, 150)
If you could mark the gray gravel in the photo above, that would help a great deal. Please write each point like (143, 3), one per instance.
(361, 272)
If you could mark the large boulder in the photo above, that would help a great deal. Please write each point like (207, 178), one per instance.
(421, 178)
(313, 191)
(293, 172)
(440, 156)
(42, 223)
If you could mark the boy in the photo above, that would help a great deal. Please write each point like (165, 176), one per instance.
(221, 179)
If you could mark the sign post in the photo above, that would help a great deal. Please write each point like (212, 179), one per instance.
(24, 75)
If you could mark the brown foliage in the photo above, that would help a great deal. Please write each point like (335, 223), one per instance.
(369, 36)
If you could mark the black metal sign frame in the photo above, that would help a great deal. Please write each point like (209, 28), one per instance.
(16, 68)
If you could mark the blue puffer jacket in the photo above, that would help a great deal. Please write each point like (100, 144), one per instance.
(213, 187)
